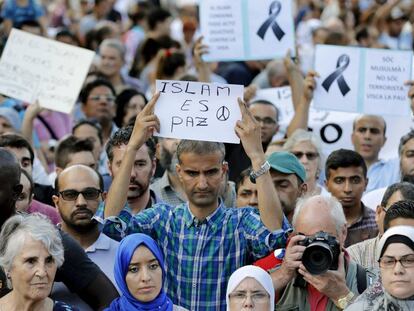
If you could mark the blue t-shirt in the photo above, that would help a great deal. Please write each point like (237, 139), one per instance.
(19, 14)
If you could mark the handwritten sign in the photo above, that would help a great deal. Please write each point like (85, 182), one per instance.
(362, 80)
(247, 29)
(334, 128)
(33, 67)
(198, 111)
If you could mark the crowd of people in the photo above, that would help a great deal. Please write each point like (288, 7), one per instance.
(98, 213)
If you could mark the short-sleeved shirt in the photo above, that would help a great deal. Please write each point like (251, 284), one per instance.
(199, 255)
(383, 174)
(20, 14)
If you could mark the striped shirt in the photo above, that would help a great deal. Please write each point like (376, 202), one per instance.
(199, 255)
(364, 228)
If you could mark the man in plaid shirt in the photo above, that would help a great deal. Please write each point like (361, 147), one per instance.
(203, 241)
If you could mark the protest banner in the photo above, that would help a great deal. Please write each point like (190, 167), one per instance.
(36, 68)
(369, 81)
(247, 29)
(334, 128)
(198, 111)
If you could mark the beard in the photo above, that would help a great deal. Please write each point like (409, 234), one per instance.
(168, 160)
(83, 226)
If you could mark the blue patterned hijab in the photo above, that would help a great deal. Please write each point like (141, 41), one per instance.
(127, 302)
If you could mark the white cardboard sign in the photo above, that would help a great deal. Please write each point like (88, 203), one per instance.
(334, 128)
(369, 81)
(247, 29)
(33, 67)
(198, 111)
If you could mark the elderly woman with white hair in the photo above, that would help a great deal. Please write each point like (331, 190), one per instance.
(250, 288)
(30, 252)
(396, 261)
(307, 147)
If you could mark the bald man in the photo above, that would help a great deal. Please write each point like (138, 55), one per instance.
(79, 191)
(368, 138)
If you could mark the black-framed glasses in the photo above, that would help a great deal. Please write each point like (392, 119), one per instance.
(309, 155)
(389, 262)
(266, 121)
(88, 194)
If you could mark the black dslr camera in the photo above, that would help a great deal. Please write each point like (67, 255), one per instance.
(321, 254)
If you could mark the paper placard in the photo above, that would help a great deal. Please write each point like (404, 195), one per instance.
(198, 111)
(369, 81)
(247, 29)
(33, 67)
(334, 128)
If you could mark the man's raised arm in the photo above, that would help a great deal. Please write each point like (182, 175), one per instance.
(270, 207)
(145, 124)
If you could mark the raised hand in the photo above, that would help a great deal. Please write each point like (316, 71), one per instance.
(145, 124)
(248, 130)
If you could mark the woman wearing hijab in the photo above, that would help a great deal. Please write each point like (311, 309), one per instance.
(396, 261)
(250, 287)
(139, 274)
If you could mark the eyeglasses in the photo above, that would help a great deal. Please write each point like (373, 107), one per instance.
(97, 98)
(257, 297)
(88, 194)
(266, 121)
(388, 262)
(309, 155)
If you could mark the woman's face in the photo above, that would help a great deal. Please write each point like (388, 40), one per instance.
(249, 295)
(144, 276)
(33, 271)
(308, 156)
(134, 106)
(398, 280)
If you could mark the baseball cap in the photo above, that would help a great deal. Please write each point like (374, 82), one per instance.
(397, 234)
(287, 163)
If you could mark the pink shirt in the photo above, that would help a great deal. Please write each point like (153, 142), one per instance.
(47, 210)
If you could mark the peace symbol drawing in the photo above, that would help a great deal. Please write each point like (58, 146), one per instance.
(223, 113)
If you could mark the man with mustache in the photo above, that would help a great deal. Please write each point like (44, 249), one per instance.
(79, 191)
(139, 194)
(346, 179)
(368, 138)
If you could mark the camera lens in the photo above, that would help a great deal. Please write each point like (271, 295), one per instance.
(317, 258)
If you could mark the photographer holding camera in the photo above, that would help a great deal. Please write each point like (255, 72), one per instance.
(316, 274)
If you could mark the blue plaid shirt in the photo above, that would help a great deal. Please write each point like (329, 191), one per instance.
(200, 256)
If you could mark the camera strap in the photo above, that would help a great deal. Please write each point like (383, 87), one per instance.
(361, 275)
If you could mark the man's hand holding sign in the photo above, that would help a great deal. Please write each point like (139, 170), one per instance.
(154, 119)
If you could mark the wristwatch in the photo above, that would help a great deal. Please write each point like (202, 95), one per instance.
(263, 169)
(343, 302)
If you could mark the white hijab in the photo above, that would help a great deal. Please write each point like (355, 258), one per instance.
(256, 273)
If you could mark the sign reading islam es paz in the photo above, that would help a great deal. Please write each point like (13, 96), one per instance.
(247, 29)
(36, 68)
(198, 111)
(369, 81)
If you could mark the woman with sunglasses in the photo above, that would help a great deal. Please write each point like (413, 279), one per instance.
(396, 261)
(308, 149)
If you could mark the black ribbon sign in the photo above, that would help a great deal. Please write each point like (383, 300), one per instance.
(274, 11)
(341, 65)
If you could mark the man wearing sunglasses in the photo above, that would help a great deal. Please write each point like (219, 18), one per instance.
(79, 191)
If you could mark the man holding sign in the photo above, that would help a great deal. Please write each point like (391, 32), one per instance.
(203, 241)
